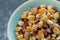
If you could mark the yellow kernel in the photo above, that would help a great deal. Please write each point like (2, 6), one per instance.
(40, 24)
(34, 10)
(33, 38)
(20, 37)
(26, 13)
(54, 35)
(34, 27)
(20, 23)
(43, 6)
(49, 16)
(31, 17)
(43, 39)
(17, 34)
(17, 29)
(26, 35)
(51, 7)
(51, 11)
(56, 30)
(42, 11)
(44, 18)
(28, 29)
(41, 33)
(23, 16)
(56, 15)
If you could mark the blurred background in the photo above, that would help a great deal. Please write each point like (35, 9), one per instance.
(7, 7)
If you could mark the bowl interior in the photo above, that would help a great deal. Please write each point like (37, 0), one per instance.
(24, 7)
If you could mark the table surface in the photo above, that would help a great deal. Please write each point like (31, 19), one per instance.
(6, 9)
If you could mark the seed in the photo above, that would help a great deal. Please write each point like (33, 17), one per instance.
(25, 20)
(45, 33)
(20, 23)
(28, 29)
(20, 37)
(34, 10)
(35, 31)
(45, 26)
(51, 27)
(51, 7)
(18, 29)
(48, 30)
(38, 28)
(41, 33)
(25, 25)
(31, 17)
(58, 21)
(23, 31)
(56, 30)
(43, 6)
(38, 7)
(36, 21)
(22, 19)
(30, 33)
(36, 39)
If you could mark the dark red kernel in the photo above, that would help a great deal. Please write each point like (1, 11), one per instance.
(22, 31)
(36, 21)
(45, 33)
(25, 25)
(31, 33)
(35, 31)
(38, 7)
(33, 14)
(36, 38)
(58, 21)
(45, 26)
(38, 28)
(24, 19)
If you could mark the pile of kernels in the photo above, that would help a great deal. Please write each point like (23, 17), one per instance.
(40, 23)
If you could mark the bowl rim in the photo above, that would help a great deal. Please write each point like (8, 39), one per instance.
(15, 12)
(12, 17)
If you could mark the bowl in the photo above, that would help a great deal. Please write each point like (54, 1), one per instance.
(24, 7)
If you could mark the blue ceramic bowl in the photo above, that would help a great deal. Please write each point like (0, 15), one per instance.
(24, 7)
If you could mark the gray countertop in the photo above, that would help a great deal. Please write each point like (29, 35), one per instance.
(6, 9)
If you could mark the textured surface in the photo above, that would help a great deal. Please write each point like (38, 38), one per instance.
(6, 9)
